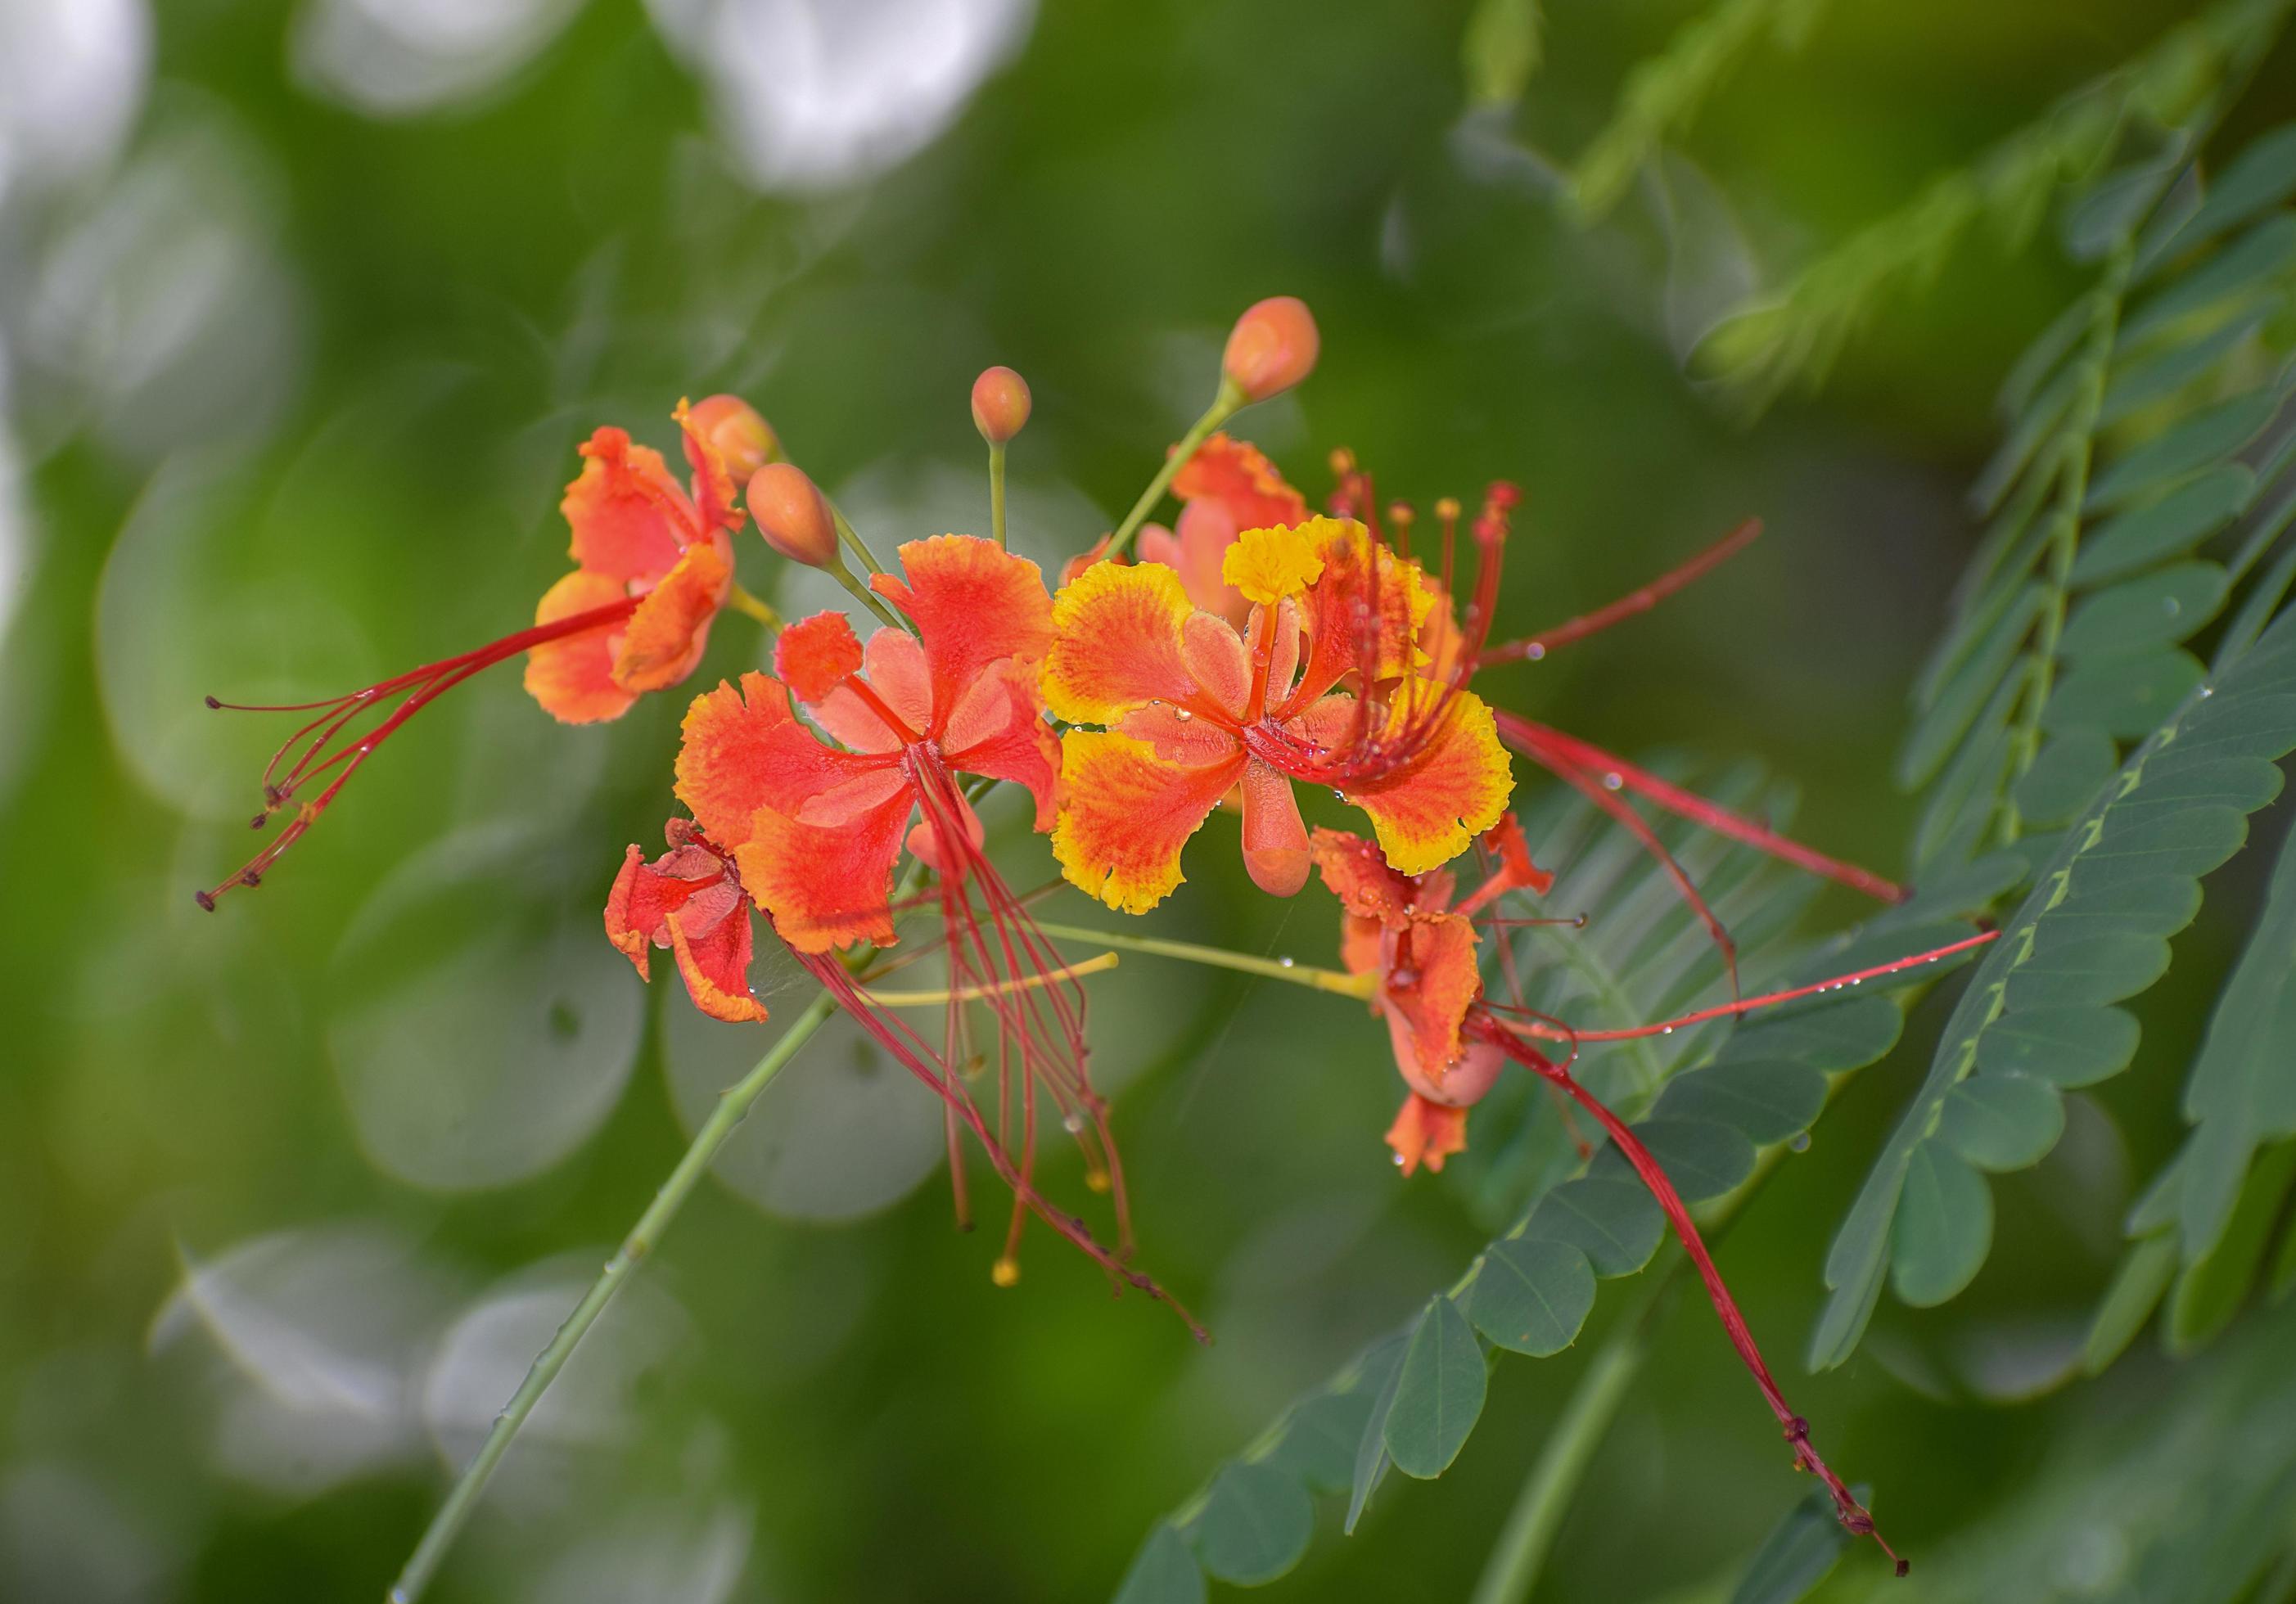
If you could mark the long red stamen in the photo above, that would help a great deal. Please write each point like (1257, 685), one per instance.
(1535, 647)
(1548, 1031)
(1853, 1515)
(1547, 745)
(320, 754)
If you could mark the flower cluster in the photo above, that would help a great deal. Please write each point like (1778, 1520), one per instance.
(1253, 648)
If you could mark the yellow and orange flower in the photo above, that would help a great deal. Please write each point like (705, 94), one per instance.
(1191, 707)
(639, 533)
(1227, 488)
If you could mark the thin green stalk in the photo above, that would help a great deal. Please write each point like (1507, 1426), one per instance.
(1521, 1550)
(2065, 535)
(1223, 406)
(997, 492)
(732, 1105)
(868, 598)
(1273, 969)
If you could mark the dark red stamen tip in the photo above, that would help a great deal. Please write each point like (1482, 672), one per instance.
(205, 899)
(259, 821)
(214, 704)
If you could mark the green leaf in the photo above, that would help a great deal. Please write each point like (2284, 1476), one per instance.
(2262, 176)
(1800, 1551)
(2173, 524)
(2145, 1272)
(1439, 1392)
(1500, 51)
(1767, 1100)
(1320, 1439)
(1532, 1296)
(1958, 816)
(2160, 904)
(2039, 360)
(2208, 436)
(1703, 1159)
(2065, 777)
(2128, 697)
(2243, 1087)
(1255, 1525)
(2066, 1047)
(2085, 970)
(1851, 1034)
(1943, 1229)
(2141, 383)
(2259, 256)
(1164, 1572)
(2210, 1291)
(1611, 1220)
(1383, 1372)
(1948, 719)
(2002, 1122)
(2160, 608)
(2191, 841)
(2034, 425)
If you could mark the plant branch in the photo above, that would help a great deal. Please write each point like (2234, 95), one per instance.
(1225, 406)
(1189, 951)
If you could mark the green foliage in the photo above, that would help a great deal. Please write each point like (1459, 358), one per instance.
(1500, 51)
(2169, 96)
(1800, 1551)
(2069, 639)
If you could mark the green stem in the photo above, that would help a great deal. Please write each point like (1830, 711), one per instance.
(2064, 534)
(732, 1105)
(1273, 969)
(1223, 406)
(861, 593)
(997, 492)
(1521, 1550)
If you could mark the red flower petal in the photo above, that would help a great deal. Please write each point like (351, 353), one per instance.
(1125, 813)
(716, 966)
(1275, 838)
(629, 517)
(999, 730)
(1118, 644)
(573, 678)
(746, 750)
(826, 886)
(1428, 808)
(1426, 1133)
(894, 665)
(668, 632)
(973, 605)
(815, 656)
(1244, 484)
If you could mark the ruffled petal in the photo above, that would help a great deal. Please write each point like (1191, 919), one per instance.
(1267, 564)
(1362, 581)
(1116, 644)
(713, 481)
(629, 516)
(999, 730)
(1429, 808)
(1216, 661)
(715, 965)
(1194, 549)
(815, 656)
(629, 925)
(670, 629)
(1275, 838)
(973, 603)
(743, 750)
(1428, 992)
(1359, 876)
(826, 886)
(1426, 1133)
(573, 678)
(1244, 482)
(1125, 813)
(894, 665)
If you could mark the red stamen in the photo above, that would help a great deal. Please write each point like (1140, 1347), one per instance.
(422, 685)
(1853, 1515)
(1638, 601)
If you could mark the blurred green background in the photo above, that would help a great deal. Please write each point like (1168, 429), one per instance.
(303, 310)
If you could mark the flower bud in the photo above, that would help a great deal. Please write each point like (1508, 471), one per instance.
(744, 441)
(1272, 348)
(793, 515)
(1000, 405)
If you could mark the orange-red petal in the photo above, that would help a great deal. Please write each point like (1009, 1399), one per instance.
(1430, 992)
(630, 518)
(973, 604)
(624, 928)
(826, 886)
(1194, 548)
(670, 629)
(1426, 1133)
(1125, 813)
(1452, 788)
(1116, 644)
(745, 751)
(1275, 839)
(1361, 581)
(1242, 481)
(1359, 876)
(716, 966)
(998, 729)
(573, 677)
(815, 656)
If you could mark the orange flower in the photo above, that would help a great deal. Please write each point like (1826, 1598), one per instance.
(690, 900)
(1404, 929)
(817, 827)
(1190, 708)
(1227, 488)
(639, 534)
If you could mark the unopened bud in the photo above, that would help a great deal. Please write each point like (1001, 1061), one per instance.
(1272, 348)
(793, 515)
(1000, 405)
(744, 440)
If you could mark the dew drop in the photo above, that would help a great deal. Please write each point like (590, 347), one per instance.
(1399, 1161)
(1341, 795)
(1613, 780)
(1073, 1123)
(2208, 691)
(1283, 962)
(1536, 652)
(1858, 981)
(1799, 1142)
(1668, 1030)
(2171, 606)
(1181, 714)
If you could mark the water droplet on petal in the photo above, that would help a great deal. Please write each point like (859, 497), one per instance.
(1399, 1161)
(1341, 795)
(1181, 714)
